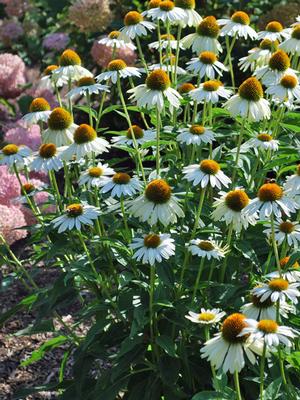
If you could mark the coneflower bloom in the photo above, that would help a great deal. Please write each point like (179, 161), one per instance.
(192, 18)
(118, 68)
(208, 172)
(278, 66)
(207, 248)
(166, 41)
(85, 141)
(141, 136)
(75, 216)
(268, 331)
(229, 207)
(206, 64)
(286, 90)
(277, 289)
(166, 11)
(49, 81)
(210, 91)
(46, 159)
(271, 199)
(70, 68)
(153, 248)
(226, 350)
(238, 25)
(96, 177)
(39, 111)
(115, 41)
(135, 25)
(60, 128)
(290, 271)
(196, 135)
(262, 141)
(292, 183)
(249, 102)
(261, 309)
(122, 184)
(259, 56)
(87, 86)
(156, 89)
(292, 45)
(205, 37)
(157, 204)
(206, 316)
(12, 154)
(273, 31)
(285, 230)
(151, 4)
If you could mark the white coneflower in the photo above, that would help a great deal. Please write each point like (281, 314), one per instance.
(260, 309)
(206, 316)
(46, 159)
(114, 40)
(226, 350)
(192, 18)
(169, 65)
(135, 25)
(259, 56)
(87, 86)
(205, 37)
(166, 41)
(151, 4)
(86, 142)
(210, 91)
(273, 31)
(290, 271)
(122, 184)
(206, 64)
(229, 207)
(153, 248)
(292, 45)
(154, 92)
(75, 216)
(263, 141)
(157, 204)
(292, 183)
(207, 248)
(249, 102)
(271, 199)
(96, 177)
(277, 289)
(70, 68)
(118, 68)
(141, 136)
(49, 81)
(285, 230)
(196, 135)
(269, 332)
(287, 90)
(238, 26)
(12, 154)
(208, 172)
(39, 111)
(278, 66)
(60, 128)
(167, 12)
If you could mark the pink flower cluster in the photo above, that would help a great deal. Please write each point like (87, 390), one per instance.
(10, 30)
(12, 76)
(91, 15)
(56, 41)
(19, 134)
(15, 8)
(102, 54)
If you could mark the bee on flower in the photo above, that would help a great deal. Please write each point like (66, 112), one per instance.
(195, 135)
(60, 128)
(74, 216)
(237, 26)
(96, 177)
(210, 92)
(207, 248)
(153, 248)
(86, 86)
(116, 41)
(135, 26)
(206, 64)
(208, 172)
(70, 68)
(122, 184)
(39, 111)
(206, 316)
(118, 69)
(205, 37)
(141, 136)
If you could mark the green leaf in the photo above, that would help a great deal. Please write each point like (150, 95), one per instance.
(167, 344)
(272, 391)
(23, 304)
(39, 327)
(293, 128)
(210, 395)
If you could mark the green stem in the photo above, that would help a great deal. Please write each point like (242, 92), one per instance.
(201, 201)
(140, 50)
(237, 385)
(55, 188)
(127, 230)
(177, 53)
(88, 254)
(207, 337)
(224, 266)
(262, 370)
(157, 141)
(228, 58)
(100, 110)
(238, 150)
(88, 97)
(275, 245)
(198, 279)
(159, 43)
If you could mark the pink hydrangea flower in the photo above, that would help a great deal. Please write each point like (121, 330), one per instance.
(12, 218)
(9, 186)
(102, 54)
(91, 15)
(56, 41)
(19, 134)
(12, 76)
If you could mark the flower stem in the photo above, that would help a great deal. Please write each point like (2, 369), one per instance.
(224, 266)
(55, 188)
(157, 141)
(140, 50)
(177, 53)
(262, 370)
(201, 201)
(198, 279)
(127, 230)
(151, 298)
(275, 245)
(238, 149)
(159, 43)
(88, 97)
(228, 58)
(237, 385)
